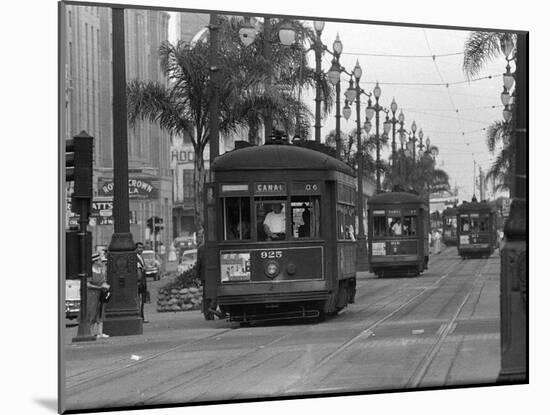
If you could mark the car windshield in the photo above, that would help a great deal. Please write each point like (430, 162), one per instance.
(190, 256)
(148, 256)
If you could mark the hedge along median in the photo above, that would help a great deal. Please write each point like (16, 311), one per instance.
(184, 293)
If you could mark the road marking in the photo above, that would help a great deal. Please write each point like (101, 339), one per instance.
(418, 331)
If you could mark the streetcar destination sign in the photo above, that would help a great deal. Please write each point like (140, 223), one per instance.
(269, 188)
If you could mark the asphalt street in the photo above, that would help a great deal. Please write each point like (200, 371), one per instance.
(438, 329)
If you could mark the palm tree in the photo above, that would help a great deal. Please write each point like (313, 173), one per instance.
(500, 173)
(181, 106)
(481, 47)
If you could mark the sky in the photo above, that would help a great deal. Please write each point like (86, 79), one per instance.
(432, 91)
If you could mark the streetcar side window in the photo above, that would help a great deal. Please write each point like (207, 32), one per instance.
(236, 218)
(270, 219)
(346, 220)
(305, 216)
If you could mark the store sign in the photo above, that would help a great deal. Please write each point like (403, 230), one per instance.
(138, 188)
(101, 214)
(270, 189)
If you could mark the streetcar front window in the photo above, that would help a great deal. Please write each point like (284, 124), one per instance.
(270, 219)
(379, 226)
(465, 223)
(236, 218)
(305, 216)
(409, 225)
(484, 223)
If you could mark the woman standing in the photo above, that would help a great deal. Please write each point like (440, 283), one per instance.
(97, 296)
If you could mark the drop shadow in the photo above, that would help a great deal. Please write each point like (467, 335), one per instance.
(48, 403)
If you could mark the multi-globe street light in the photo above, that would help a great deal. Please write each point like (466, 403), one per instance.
(371, 111)
(353, 93)
(247, 35)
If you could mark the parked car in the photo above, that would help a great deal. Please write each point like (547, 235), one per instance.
(72, 298)
(152, 264)
(188, 260)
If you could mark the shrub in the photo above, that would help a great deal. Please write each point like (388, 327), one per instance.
(187, 279)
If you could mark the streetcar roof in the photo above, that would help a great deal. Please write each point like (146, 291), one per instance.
(278, 157)
(391, 198)
(475, 206)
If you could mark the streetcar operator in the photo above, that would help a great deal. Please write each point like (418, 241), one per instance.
(274, 223)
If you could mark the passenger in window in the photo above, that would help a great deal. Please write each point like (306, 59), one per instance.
(303, 230)
(349, 233)
(274, 223)
(260, 216)
(396, 228)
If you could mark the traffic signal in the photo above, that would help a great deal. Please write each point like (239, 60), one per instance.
(79, 164)
(155, 224)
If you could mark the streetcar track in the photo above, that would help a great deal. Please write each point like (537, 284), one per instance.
(152, 399)
(139, 362)
(422, 369)
(367, 331)
(394, 296)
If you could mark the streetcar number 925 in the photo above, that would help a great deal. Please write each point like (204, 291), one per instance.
(271, 254)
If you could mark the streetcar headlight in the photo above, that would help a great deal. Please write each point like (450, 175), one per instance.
(272, 269)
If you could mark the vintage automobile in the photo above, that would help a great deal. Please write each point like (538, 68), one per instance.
(188, 260)
(152, 264)
(72, 298)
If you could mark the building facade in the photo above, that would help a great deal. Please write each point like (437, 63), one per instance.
(87, 61)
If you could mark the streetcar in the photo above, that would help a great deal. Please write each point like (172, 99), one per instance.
(477, 233)
(303, 269)
(449, 226)
(398, 227)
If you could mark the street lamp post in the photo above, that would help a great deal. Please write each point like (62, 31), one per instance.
(122, 312)
(354, 94)
(318, 48)
(247, 35)
(394, 121)
(334, 78)
(513, 272)
(372, 111)
(413, 129)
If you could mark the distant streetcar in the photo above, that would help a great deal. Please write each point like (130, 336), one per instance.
(398, 226)
(259, 269)
(449, 226)
(476, 234)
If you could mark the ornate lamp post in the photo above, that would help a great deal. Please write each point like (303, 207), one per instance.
(247, 35)
(353, 93)
(122, 312)
(318, 48)
(413, 129)
(394, 121)
(334, 78)
(513, 270)
(375, 111)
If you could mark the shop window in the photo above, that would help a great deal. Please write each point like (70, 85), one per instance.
(236, 218)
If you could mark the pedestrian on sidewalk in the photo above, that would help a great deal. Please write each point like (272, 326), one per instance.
(142, 281)
(98, 291)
